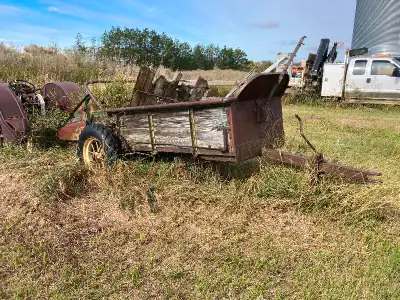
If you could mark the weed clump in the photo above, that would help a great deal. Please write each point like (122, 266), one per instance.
(218, 91)
(44, 128)
(64, 183)
(117, 93)
(334, 198)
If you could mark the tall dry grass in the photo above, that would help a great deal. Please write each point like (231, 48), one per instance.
(40, 68)
(178, 228)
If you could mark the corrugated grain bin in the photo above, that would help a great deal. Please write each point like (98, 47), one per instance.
(377, 22)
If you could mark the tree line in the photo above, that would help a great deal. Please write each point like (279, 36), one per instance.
(147, 47)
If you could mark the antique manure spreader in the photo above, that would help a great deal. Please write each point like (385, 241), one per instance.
(245, 125)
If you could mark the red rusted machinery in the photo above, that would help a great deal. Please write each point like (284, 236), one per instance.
(20, 97)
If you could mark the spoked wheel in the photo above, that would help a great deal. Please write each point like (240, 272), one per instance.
(98, 146)
(93, 152)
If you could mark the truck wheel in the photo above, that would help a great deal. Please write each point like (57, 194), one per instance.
(97, 145)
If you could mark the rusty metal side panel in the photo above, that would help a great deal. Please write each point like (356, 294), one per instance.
(250, 132)
(13, 119)
(64, 95)
(71, 131)
(256, 119)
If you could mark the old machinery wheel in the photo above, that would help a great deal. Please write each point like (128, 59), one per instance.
(97, 145)
(22, 87)
(93, 152)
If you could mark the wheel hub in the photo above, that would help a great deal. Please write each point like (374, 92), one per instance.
(93, 152)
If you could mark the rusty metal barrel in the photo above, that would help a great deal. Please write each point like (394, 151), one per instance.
(13, 119)
(63, 95)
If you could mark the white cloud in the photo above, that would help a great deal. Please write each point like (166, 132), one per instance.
(89, 13)
(52, 9)
(268, 24)
(153, 11)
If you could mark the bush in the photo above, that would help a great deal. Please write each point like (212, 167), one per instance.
(44, 129)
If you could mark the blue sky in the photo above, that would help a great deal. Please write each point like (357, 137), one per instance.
(260, 27)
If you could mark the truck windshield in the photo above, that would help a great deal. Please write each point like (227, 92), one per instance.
(397, 59)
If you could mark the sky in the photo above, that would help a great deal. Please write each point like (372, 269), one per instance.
(261, 28)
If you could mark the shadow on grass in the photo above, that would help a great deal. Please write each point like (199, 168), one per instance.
(224, 170)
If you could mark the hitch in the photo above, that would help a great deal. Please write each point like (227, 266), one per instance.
(318, 165)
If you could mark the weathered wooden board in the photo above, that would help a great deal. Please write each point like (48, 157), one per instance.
(135, 129)
(172, 129)
(210, 124)
(199, 89)
(143, 83)
(167, 89)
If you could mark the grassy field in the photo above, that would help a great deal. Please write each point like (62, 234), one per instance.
(176, 228)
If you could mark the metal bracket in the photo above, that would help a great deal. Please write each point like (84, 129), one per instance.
(264, 112)
(304, 136)
(193, 132)
(85, 101)
(152, 133)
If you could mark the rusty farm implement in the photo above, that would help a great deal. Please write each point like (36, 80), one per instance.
(18, 99)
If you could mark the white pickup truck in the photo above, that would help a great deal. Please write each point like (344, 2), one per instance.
(372, 79)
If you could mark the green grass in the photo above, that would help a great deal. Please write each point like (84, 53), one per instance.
(210, 230)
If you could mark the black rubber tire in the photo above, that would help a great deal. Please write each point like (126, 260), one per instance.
(111, 143)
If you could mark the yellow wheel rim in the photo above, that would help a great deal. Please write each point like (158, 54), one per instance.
(93, 152)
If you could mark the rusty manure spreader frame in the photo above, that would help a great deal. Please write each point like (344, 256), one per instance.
(246, 124)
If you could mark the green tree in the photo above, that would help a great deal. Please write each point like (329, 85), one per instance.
(80, 47)
(147, 47)
(185, 56)
(199, 57)
(226, 59)
(239, 59)
(211, 53)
